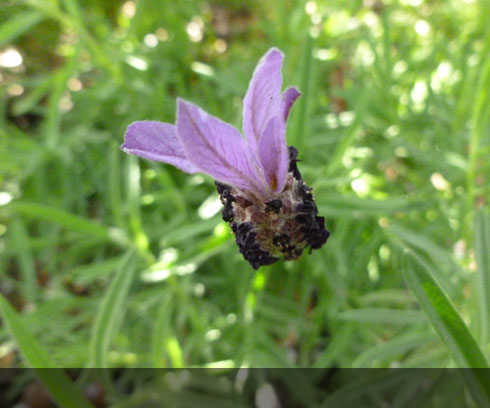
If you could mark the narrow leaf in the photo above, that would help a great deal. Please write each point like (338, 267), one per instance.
(18, 25)
(344, 205)
(450, 327)
(56, 382)
(482, 250)
(67, 220)
(21, 247)
(306, 70)
(386, 352)
(368, 383)
(111, 312)
(159, 332)
(382, 316)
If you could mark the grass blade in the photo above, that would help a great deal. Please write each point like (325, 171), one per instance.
(407, 239)
(53, 118)
(114, 185)
(18, 25)
(348, 205)
(482, 250)
(67, 220)
(445, 320)
(367, 383)
(449, 326)
(22, 249)
(160, 332)
(382, 316)
(56, 382)
(111, 311)
(306, 69)
(480, 119)
(381, 353)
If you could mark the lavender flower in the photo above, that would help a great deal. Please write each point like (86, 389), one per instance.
(269, 208)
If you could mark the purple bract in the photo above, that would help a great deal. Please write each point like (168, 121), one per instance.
(269, 208)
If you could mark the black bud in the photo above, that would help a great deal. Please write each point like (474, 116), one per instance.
(293, 154)
(273, 206)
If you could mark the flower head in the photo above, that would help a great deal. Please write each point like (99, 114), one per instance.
(269, 208)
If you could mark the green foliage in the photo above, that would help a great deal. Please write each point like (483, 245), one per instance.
(110, 313)
(55, 381)
(482, 254)
(392, 130)
(449, 326)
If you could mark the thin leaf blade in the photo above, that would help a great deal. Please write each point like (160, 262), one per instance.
(449, 326)
(56, 382)
(482, 252)
(18, 25)
(111, 311)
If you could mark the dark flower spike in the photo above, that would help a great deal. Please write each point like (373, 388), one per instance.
(269, 208)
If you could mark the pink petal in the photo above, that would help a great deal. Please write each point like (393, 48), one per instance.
(157, 141)
(216, 148)
(273, 153)
(263, 99)
(289, 96)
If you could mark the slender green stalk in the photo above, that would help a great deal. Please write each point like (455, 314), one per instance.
(479, 122)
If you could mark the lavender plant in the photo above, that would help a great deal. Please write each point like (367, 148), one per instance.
(266, 203)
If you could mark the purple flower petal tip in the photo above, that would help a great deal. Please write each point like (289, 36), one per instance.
(263, 99)
(273, 53)
(288, 98)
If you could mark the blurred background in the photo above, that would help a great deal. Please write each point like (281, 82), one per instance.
(109, 260)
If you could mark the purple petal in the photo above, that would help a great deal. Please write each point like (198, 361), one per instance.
(216, 147)
(289, 96)
(157, 141)
(263, 99)
(273, 153)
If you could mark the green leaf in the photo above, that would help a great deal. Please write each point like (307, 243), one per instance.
(388, 296)
(385, 352)
(52, 122)
(439, 255)
(56, 382)
(480, 119)
(30, 100)
(363, 384)
(87, 274)
(174, 351)
(22, 249)
(134, 191)
(348, 205)
(187, 232)
(337, 346)
(67, 220)
(382, 315)
(160, 332)
(114, 190)
(449, 326)
(18, 25)
(111, 312)
(482, 250)
(306, 82)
